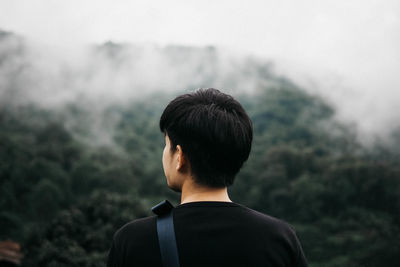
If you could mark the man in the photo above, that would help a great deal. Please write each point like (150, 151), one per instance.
(208, 137)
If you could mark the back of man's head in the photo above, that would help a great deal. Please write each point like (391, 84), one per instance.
(214, 131)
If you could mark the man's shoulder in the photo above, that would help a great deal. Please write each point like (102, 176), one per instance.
(260, 220)
(233, 215)
(277, 232)
(136, 229)
(135, 243)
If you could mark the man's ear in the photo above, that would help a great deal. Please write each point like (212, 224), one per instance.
(181, 159)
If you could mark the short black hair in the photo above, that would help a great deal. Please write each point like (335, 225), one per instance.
(214, 131)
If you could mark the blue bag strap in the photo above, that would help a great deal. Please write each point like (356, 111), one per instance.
(166, 234)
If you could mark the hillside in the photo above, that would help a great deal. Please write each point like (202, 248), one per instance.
(80, 154)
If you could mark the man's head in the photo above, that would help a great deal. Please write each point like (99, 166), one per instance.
(212, 131)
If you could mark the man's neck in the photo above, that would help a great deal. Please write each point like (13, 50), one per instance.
(192, 192)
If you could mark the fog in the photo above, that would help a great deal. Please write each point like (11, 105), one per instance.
(345, 51)
(111, 73)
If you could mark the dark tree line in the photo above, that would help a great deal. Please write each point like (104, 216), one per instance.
(62, 197)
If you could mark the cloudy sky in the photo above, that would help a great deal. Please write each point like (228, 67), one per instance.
(349, 48)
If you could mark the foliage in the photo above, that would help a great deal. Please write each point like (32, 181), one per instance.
(63, 195)
(81, 235)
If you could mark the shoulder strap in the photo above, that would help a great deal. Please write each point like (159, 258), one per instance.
(166, 234)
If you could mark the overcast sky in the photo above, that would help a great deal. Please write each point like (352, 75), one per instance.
(348, 48)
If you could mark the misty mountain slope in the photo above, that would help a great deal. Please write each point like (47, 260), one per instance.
(116, 73)
(80, 152)
(297, 171)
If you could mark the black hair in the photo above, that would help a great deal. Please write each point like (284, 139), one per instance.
(214, 131)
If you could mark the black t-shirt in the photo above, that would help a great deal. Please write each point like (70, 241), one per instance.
(211, 234)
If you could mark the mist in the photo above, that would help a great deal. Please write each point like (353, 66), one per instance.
(112, 72)
(98, 76)
(346, 52)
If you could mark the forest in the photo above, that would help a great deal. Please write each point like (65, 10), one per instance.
(63, 193)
